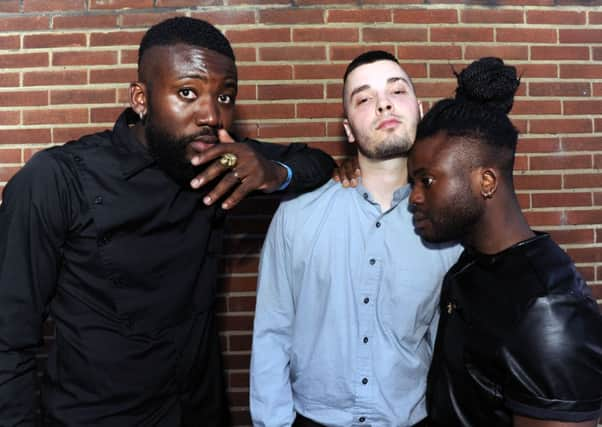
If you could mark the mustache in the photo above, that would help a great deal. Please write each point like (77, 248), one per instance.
(204, 131)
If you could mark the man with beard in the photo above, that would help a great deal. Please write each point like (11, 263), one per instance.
(520, 337)
(347, 293)
(112, 236)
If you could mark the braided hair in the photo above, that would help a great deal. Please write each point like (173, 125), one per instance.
(191, 31)
(479, 112)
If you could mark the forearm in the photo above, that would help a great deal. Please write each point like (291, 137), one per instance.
(18, 401)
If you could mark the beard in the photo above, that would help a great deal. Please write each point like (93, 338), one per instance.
(169, 151)
(391, 147)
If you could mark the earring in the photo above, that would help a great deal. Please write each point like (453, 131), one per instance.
(141, 115)
(487, 194)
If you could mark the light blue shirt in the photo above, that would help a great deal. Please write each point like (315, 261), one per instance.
(346, 312)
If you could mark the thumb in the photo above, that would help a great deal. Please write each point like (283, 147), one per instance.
(224, 137)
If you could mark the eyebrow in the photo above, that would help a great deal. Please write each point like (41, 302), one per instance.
(389, 81)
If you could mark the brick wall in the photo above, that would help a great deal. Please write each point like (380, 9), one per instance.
(65, 65)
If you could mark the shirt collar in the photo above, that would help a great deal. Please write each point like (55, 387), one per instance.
(398, 195)
(134, 156)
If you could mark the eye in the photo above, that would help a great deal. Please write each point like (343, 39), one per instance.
(427, 181)
(225, 99)
(187, 93)
(361, 101)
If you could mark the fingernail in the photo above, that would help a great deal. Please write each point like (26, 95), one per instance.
(207, 200)
(225, 206)
(194, 161)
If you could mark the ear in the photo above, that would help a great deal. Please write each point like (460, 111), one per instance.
(348, 131)
(138, 98)
(489, 180)
(420, 109)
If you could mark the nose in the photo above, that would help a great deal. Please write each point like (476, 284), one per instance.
(207, 112)
(416, 198)
(384, 104)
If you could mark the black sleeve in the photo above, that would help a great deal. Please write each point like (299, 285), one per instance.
(311, 167)
(554, 360)
(32, 218)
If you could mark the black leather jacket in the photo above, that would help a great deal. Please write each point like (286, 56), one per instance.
(519, 333)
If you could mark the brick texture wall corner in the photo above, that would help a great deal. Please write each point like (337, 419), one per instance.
(65, 65)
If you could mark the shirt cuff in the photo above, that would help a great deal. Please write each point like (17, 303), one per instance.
(289, 176)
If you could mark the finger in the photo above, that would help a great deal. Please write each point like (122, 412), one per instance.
(237, 195)
(212, 171)
(224, 137)
(217, 151)
(225, 185)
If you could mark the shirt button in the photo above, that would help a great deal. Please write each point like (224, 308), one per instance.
(98, 200)
(378, 225)
(365, 381)
(366, 300)
(77, 159)
(365, 340)
(365, 195)
(362, 419)
(372, 261)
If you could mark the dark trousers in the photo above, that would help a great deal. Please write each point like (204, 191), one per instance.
(302, 421)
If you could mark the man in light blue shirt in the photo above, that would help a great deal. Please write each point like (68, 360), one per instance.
(347, 295)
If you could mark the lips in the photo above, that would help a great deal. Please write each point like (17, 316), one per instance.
(420, 221)
(388, 123)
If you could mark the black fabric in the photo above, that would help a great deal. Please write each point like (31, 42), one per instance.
(519, 333)
(125, 261)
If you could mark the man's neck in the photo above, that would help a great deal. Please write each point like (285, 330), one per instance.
(382, 177)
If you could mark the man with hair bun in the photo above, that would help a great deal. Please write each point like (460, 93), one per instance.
(117, 236)
(520, 336)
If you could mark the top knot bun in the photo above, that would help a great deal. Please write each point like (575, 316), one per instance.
(488, 83)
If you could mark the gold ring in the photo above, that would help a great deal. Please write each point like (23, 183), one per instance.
(228, 160)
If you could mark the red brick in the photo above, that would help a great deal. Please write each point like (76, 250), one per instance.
(86, 22)
(120, 75)
(578, 235)
(238, 398)
(492, 16)
(559, 89)
(105, 114)
(292, 130)
(259, 35)
(238, 379)
(581, 71)
(538, 145)
(9, 6)
(28, 98)
(10, 118)
(551, 200)
(400, 35)
(10, 155)
(23, 60)
(237, 284)
(527, 106)
(145, 20)
(235, 322)
(582, 143)
(597, 53)
(24, 23)
(291, 16)
(320, 110)
(524, 200)
(24, 136)
(62, 135)
(245, 53)
(36, 41)
(435, 89)
(84, 58)
(322, 71)
(183, 3)
(239, 342)
(347, 53)
(264, 111)
(129, 56)
(506, 52)
(422, 52)
(370, 16)
(238, 265)
(578, 36)
(555, 17)
(120, 4)
(520, 35)
(290, 91)
(237, 361)
(561, 161)
(598, 161)
(583, 180)
(321, 34)
(560, 126)
(461, 34)
(83, 96)
(593, 254)
(266, 72)
(539, 218)
(559, 53)
(242, 303)
(116, 38)
(240, 417)
(537, 71)
(237, 245)
(7, 172)
(582, 107)
(52, 5)
(55, 116)
(52, 78)
(257, 2)
(538, 182)
(595, 17)
(425, 16)
(598, 125)
(521, 163)
(227, 17)
(246, 92)
(9, 79)
(10, 42)
(292, 53)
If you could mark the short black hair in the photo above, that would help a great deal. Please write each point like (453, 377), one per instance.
(479, 112)
(191, 31)
(368, 58)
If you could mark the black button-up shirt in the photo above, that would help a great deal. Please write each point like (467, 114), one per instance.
(125, 260)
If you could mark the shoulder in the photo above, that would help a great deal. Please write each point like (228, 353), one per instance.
(313, 200)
